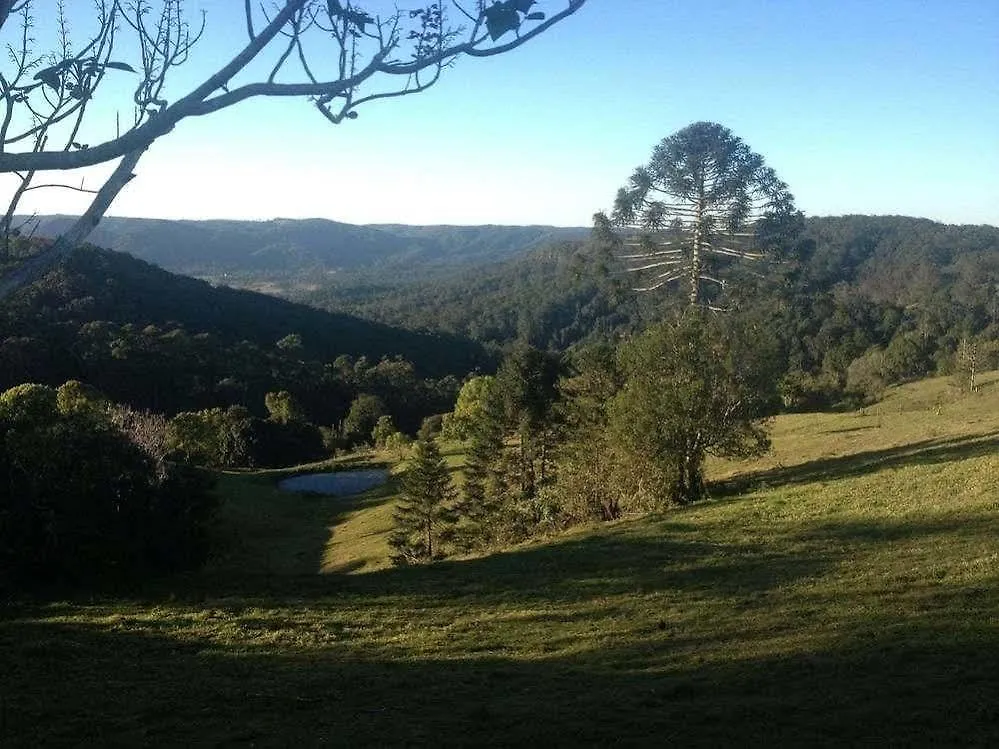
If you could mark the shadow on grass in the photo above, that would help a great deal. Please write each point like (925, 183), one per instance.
(69, 684)
(663, 556)
(925, 452)
(265, 531)
(873, 532)
(627, 559)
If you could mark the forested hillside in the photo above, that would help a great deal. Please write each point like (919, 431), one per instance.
(552, 297)
(155, 340)
(885, 259)
(906, 288)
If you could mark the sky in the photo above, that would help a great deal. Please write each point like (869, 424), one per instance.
(887, 107)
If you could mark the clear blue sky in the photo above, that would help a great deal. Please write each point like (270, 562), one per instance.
(887, 107)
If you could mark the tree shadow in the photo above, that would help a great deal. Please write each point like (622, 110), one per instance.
(873, 532)
(663, 556)
(924, 452)
(74, 684)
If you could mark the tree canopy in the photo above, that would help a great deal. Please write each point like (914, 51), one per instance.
(704, 200)
(692, 387)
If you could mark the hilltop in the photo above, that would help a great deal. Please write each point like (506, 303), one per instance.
(97, 285)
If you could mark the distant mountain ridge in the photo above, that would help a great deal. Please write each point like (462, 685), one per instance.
(292, 247)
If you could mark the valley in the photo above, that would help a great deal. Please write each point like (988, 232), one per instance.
(842, 596)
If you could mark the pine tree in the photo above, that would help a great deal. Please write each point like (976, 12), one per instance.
(425, 517)
(483, 491)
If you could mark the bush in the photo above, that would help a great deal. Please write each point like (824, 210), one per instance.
(866, 377)
(216, 437)
(82, 501)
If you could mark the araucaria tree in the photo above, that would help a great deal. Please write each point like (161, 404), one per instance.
(57, 114)
(703, 202)
(425, 517)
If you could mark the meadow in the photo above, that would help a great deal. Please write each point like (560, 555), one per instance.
(842, 590)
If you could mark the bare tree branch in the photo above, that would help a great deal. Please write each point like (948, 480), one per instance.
(37, 266)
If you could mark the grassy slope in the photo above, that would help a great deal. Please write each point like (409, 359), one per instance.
(846, 593)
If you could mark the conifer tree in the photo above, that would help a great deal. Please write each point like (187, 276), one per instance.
(703, 201)
(482, 491)
(425, 518)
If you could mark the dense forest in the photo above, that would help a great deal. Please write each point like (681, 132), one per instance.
(911, 288)
(891, 297)
(170, 344)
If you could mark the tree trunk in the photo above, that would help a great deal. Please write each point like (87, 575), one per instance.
(695, 254)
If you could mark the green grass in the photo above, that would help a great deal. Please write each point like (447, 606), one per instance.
(843, 590)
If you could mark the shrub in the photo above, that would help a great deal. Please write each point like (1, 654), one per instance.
(83, 501)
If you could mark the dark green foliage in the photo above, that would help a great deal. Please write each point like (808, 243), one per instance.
(383, 429)
(551, 298)
(215, 437)
(81, 500)
(278, 445)
(282, 407)
(120, 326)
(692, 387)
(483, 492)
(588, 460)
(234, 438)
(362, 418)
(425, 516)
(136, 330)
(431, 427)
(527, 386)
(830, 290)
(511, 426)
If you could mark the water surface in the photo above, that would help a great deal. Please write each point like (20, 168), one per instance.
(339, 483)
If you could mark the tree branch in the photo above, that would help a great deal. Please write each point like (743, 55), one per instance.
(36, 267)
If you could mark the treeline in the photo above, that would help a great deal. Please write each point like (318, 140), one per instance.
(865, 302)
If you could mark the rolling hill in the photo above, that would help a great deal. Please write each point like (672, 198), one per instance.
(99, 286)
(244, 252)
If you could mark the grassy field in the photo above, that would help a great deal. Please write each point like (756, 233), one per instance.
(843, 590)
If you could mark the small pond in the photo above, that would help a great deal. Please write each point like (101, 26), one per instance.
(340, 484)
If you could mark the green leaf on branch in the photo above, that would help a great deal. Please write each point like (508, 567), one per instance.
(120, 66)
(502, 17)
(50, 77)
